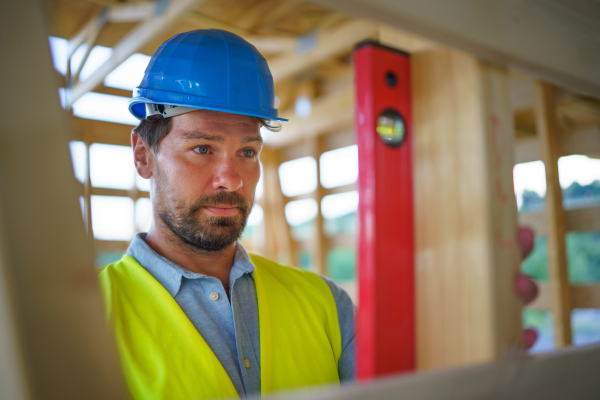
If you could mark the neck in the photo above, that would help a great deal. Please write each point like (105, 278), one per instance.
(210, 263)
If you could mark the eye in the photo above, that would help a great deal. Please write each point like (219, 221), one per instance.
(202, 149)
(249, 152)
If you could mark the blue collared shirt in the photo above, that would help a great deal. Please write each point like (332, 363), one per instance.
(231, 328)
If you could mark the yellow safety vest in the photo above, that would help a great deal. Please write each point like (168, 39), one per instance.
(164, 356)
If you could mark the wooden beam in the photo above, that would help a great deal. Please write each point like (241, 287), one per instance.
(132, 42)
(60, 347)
(329, 43)
(576, 220)
(584, 141)
(133, 193)
(278, 243)
(582, 296)
(329, 113)
(403, 40)
(565, 374)
(466, 217)
(321, 242)
(555, 216)
(100, 131)
(585, 296)
(554, 40)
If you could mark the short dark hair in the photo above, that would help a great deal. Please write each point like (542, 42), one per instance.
(156, 127)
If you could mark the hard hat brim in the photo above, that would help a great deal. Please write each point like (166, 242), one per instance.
(138, 109)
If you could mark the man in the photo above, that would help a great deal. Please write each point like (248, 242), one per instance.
(195, 316)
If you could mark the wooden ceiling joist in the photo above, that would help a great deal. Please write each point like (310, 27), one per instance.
(146, 31)
(329, 43)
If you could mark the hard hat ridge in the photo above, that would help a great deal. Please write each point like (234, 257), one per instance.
(206, 69)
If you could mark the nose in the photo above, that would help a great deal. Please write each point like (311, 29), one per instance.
(227, 175)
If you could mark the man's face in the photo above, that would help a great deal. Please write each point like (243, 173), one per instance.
(204, 176)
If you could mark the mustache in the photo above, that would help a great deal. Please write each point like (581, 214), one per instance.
(233, 199)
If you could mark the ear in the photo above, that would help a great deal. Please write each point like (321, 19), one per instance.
(143, 156)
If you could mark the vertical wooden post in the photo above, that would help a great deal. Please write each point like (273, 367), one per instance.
(320, 239)
(278, 243)
(465, 211)
(87, 189)
(547, 129)
(46, 265)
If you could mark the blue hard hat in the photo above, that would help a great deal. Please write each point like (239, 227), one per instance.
(207, 69)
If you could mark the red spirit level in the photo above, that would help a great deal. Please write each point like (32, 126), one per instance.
(386, 312)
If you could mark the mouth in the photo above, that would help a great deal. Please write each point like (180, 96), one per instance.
(223, 210)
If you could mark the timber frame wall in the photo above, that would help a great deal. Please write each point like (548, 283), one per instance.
(534, 115)
(67, 354)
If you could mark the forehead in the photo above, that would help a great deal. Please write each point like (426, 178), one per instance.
(215, 122)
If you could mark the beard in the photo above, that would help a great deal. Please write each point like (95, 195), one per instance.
(198, 230)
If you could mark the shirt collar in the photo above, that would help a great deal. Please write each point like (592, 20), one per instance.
(170, 275)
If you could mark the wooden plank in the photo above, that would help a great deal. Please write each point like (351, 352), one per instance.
(278, 243)
(330, 43)
(133, 193)
(100, 131)
(48, 279)
(582, 296)
(554, 40)
(585, 296)
(584, 141)
(465, 213)
(403, 40)
(87, 187)
(583, 219)
(132, 42)
(565, 374)
(321, 242)
(555, 215)
(329, 113)
(340, 189)
(577, 220)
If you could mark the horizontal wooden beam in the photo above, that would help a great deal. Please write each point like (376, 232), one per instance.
(553, 40)
(582, 296)
(100, 131)
(577, 220)
(330, 113)
(584, 141)
(570, 373)
(329, 43)
(403, 40)
(134, 193)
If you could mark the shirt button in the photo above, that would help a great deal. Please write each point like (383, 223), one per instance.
(214, 296)
(247, 363)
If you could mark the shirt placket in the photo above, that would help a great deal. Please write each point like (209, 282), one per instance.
(248, 355)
